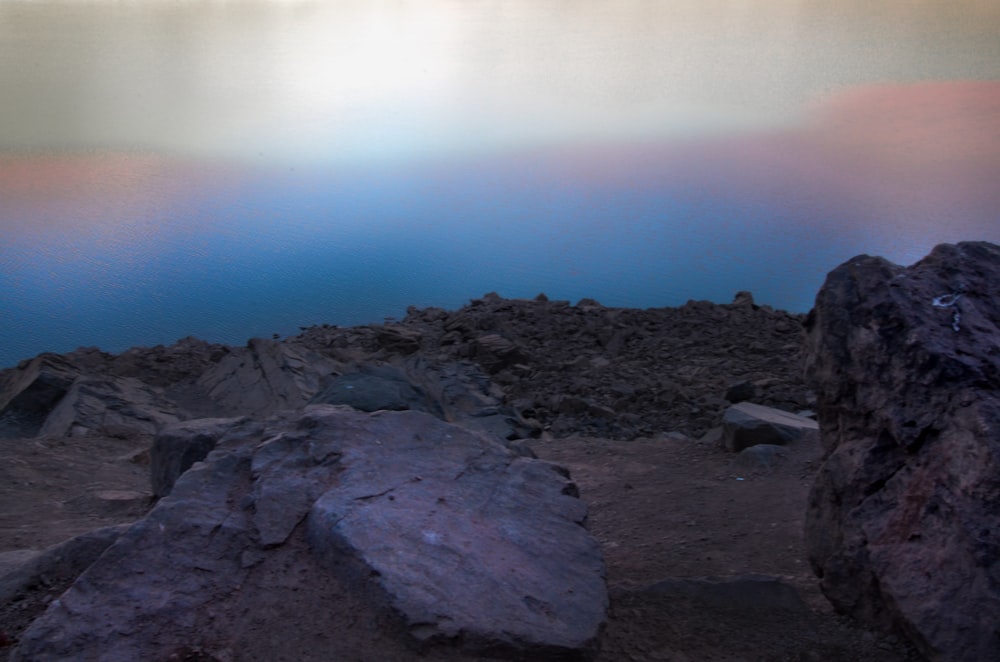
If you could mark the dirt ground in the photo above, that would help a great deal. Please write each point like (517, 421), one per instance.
(662, 509)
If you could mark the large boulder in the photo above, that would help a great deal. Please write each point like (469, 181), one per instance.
(328, 534)
(903, 523)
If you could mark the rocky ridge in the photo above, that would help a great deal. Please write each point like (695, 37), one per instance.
(520, 368)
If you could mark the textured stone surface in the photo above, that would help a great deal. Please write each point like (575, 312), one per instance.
(468, 540)
(60, 563)
(117, 406)
(374, 388)
(29, 392)
(430, 534)
(179, 446)
(904, 518)
(264, 377)
(397, 339)
(747, 424)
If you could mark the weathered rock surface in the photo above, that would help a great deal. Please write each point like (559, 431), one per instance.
(425, 531)
(266, 376)
(747, 424)
(117, 406)
(377, 387)
(904, 518)
(59, 565)
(179, 446)
(31, 391)
(53, 395)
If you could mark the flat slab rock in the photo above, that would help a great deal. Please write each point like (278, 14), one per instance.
(446, 538)
(747, 424)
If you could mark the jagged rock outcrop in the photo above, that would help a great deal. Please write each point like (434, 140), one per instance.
(31, 391)
(747, 424)
(427, 533)
(398, 339)
(118, 406)
(904, 518)
(453, 392)
(266, 376)
(53, 395)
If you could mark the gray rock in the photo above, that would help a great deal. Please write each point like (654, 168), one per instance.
(903, 523)
(180, 445)
(29, 392)
(55, 568)
(457, 392)
(494, 352)
(459, 545)
(747, 424)
(266, 376)
(120, 406)
(375, 388)
(397, 339)
(433, 535)
(15, 558)
(744, 299)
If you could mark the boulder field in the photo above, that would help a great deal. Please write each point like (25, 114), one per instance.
(381, 477)
(517, 368)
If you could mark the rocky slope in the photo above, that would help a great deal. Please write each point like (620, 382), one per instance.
(274, 478)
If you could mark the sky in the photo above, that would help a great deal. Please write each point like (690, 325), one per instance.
(226, 168)
(352, 81)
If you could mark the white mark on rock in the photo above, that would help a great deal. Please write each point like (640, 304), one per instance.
(432, 537)
(950, 301)
(946, 300)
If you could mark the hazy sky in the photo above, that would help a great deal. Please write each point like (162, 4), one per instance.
(376, 81)
(235, 168)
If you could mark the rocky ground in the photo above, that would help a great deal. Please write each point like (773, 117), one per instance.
(704, 548)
